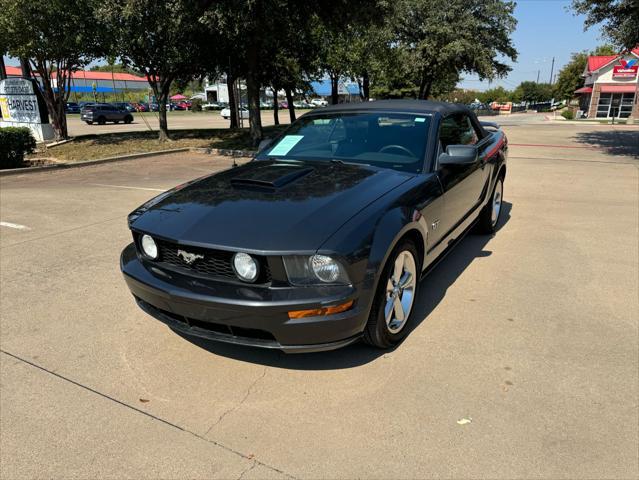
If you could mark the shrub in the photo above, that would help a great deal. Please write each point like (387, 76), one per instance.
(196, 105)
(568, 114)
(15, 142)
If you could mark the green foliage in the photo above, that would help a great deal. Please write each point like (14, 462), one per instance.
(620, 19)
(444, 38)
(196, 105)
(115, 68)
(55, 35)
(571, 75)
(159, 39)
(529, 91)
(15, 142)
(568, 114)
(497, 94)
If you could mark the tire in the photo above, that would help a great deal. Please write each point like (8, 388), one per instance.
(89, 123)
(489, 216)
(128, 119)
(384, 329)
(116, 122)
(101, 121)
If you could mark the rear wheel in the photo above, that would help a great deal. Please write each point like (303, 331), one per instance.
(394, 298)
(128, 119)
(489, 217)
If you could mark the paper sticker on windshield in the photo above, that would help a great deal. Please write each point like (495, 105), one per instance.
(285, 145)
(420, 119)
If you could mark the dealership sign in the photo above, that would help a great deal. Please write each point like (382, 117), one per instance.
(21, 107)
(626, 69)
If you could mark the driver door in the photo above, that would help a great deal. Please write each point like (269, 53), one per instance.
(463, 185)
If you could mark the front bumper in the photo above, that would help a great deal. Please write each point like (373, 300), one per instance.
(246, 314)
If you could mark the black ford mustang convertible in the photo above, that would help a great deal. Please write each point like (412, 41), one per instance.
(322, 239)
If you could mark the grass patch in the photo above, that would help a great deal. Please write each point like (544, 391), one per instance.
(94, 147)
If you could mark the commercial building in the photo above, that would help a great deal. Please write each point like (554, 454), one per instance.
(611, 87)
(86, 81)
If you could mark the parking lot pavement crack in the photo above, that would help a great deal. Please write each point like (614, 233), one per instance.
(247, 470)
(155, 417)
(239, 404)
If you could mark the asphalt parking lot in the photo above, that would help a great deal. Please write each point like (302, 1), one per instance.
(176, 120)
(523, 362)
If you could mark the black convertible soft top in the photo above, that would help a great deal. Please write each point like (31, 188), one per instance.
(420, 106)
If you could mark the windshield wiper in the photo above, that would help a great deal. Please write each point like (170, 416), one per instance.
(342, 162)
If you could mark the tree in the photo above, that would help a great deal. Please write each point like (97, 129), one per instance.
(530, 92)
(163, 40)
(39, 32)
(620, 19)
(571, 76)
(447, 37)
(497, 94)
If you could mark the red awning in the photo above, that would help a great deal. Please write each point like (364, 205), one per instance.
(584, 90)
(618, 88)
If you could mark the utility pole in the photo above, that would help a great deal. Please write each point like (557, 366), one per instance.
(538, 71)
(552, 67)
(3, 70)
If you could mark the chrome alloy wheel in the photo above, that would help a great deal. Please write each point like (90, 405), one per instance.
(400, 291)
(497, 202)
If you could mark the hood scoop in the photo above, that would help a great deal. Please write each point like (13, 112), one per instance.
(272, 176)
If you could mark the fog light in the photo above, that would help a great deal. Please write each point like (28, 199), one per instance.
(149, 247)
(245, 267)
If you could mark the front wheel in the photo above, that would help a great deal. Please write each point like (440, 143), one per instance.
(394, 298)
(489, 217)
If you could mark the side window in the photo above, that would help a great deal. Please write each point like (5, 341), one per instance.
(457, 130)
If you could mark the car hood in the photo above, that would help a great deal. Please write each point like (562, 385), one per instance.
(266, 206)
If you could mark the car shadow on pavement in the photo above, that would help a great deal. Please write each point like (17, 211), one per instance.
(431, 292)
(614, 142)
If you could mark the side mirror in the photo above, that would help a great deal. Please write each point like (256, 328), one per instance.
(459, 155)
(264, 143)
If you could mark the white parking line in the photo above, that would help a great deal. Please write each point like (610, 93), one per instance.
(17, 226)
(132, 188)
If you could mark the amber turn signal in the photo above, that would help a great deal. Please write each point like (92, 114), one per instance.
(342, 307)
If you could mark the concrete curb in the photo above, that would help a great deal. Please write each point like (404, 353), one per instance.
(133, 156)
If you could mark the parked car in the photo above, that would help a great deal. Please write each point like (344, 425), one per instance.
(101, 113)
(176, 106)
(124, 105)
(72, 107)
(140, 107)
(319, 102)
(226, 113)
(184, 105)
(327, 232)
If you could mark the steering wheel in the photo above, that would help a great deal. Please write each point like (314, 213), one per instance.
(404, 150)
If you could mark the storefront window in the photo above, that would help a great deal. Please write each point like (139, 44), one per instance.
(617, 105)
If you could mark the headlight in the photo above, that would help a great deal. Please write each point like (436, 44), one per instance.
(314, 270)
(149, 247)
(245, 267)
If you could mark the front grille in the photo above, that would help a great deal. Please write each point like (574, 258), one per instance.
(214, 264)
(218, 329)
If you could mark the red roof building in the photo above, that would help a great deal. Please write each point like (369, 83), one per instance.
(85, 81)
(611, 86)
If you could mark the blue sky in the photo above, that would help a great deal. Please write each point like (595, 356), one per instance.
(545, 28)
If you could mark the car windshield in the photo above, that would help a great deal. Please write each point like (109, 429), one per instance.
(389, 140)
